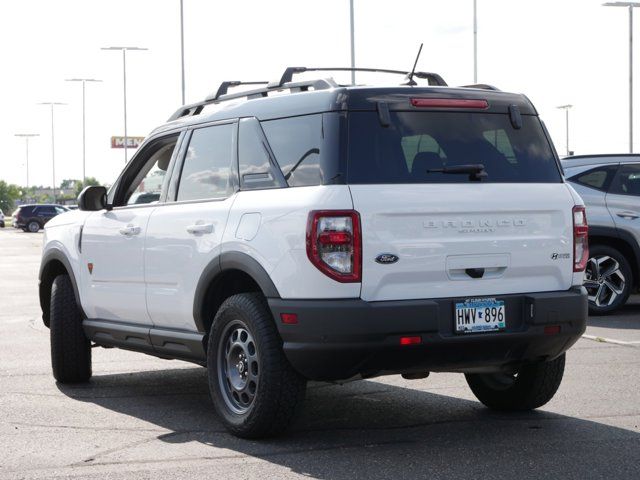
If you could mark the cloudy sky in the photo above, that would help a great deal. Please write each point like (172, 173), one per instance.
(556, 51)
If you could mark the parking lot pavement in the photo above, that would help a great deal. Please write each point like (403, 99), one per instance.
(142, 417)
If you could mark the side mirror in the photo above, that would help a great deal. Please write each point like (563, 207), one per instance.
(93, 199)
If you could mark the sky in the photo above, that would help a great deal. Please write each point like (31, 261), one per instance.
(555, 51)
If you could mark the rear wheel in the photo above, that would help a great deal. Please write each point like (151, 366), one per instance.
(608, 279)
(70, 348)
(255, 391)
(530, 387)
(33, 226)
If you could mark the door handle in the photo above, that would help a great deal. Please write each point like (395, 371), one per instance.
(627, 215)
(130, 230)
(200, 228)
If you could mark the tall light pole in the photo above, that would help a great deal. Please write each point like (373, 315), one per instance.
(566, 114)
(353, 42)
(475, 41)
(53, 149)
(84, 158)
(124, 74)
(182, 48)
(630, 6)
(26, 137)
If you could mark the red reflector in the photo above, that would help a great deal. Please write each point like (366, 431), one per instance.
(334, 238)
(449, 102)
(289, 318)
(552, 329)
(410, 340)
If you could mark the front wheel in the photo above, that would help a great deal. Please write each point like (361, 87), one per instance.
(608, 279)
(255, 391)
(532, 386)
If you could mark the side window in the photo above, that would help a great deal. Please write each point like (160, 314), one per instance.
(627, 180)
(206, 172)
(146, 187)
(60, 210)
(255, 167)
(598, 178)
(296, 143)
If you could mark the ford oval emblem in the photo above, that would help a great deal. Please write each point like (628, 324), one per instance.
(386, 258)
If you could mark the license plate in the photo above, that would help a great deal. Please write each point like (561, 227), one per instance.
(480, 315)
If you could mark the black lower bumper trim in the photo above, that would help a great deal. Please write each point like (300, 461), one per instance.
(339, 339)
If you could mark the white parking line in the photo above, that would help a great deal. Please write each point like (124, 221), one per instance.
(610, 340)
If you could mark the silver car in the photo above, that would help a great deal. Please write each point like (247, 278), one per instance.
(610, 188)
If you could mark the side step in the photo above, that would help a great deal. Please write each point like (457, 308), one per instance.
(162, 342)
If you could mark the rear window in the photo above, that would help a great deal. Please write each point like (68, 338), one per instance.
(418, 142)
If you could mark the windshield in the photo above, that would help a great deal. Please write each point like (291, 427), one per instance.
(424, 147)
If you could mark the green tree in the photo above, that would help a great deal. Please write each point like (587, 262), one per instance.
(9, 193)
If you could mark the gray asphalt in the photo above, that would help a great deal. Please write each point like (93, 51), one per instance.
(142, 417)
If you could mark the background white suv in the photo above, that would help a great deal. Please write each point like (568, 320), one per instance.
(307, 230)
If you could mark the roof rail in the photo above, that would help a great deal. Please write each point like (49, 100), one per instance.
(287, 76)
(221, 95)
(224, 88)
(482, 86)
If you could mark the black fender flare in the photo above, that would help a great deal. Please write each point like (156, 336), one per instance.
(45, 300)
(224, 262)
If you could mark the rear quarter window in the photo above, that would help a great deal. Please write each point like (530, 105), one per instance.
(598, 178)
(417, 143)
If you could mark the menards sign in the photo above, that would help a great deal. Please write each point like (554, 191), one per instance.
(132, 142)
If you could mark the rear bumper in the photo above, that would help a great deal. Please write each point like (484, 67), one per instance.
(339, 339)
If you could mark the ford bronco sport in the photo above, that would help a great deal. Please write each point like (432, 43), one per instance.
(310, 230)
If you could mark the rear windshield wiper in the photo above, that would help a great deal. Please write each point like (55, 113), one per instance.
(476, 171)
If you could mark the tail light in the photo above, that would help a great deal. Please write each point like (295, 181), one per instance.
(334, 244)
(580, 239)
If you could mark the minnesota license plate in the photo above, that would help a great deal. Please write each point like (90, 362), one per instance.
(480, 315)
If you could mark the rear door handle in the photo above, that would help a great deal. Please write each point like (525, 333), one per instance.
(200, 228)
(627, 215)
(130, 230)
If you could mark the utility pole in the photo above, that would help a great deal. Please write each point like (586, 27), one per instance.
(53, 148)
(353, 43)
(566, 113)
(26, 137)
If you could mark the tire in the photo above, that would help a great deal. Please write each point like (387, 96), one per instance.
(608, 279)
(33, 226)
(70, 348)
(531, 387)
(261, 398)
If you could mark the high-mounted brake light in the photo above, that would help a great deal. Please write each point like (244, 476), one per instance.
(449, 103)
(580, 239)
(334, 244)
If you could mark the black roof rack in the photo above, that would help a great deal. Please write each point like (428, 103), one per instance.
(221, 95)
(286, 82)
(224, 88)
(287, 76)
(482, 86)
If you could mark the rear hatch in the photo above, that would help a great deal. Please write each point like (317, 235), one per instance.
(428, 232)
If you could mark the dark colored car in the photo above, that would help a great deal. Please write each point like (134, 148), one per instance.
(32, 218)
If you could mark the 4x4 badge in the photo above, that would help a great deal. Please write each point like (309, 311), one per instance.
(385, 258)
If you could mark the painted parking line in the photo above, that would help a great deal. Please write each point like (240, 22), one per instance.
(596, 338)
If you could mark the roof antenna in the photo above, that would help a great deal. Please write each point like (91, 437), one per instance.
(410, 76)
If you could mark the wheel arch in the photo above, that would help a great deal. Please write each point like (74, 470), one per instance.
(620, 240)
(54, 263)
(228, 274)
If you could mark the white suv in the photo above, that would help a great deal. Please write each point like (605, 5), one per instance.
(308, 230)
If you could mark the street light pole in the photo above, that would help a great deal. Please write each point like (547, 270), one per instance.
(566, 118)
(124, 77)
(84, 158)
(26, 137)
(353, 43)
(630, 6)
(53, 148)
(182, 48)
